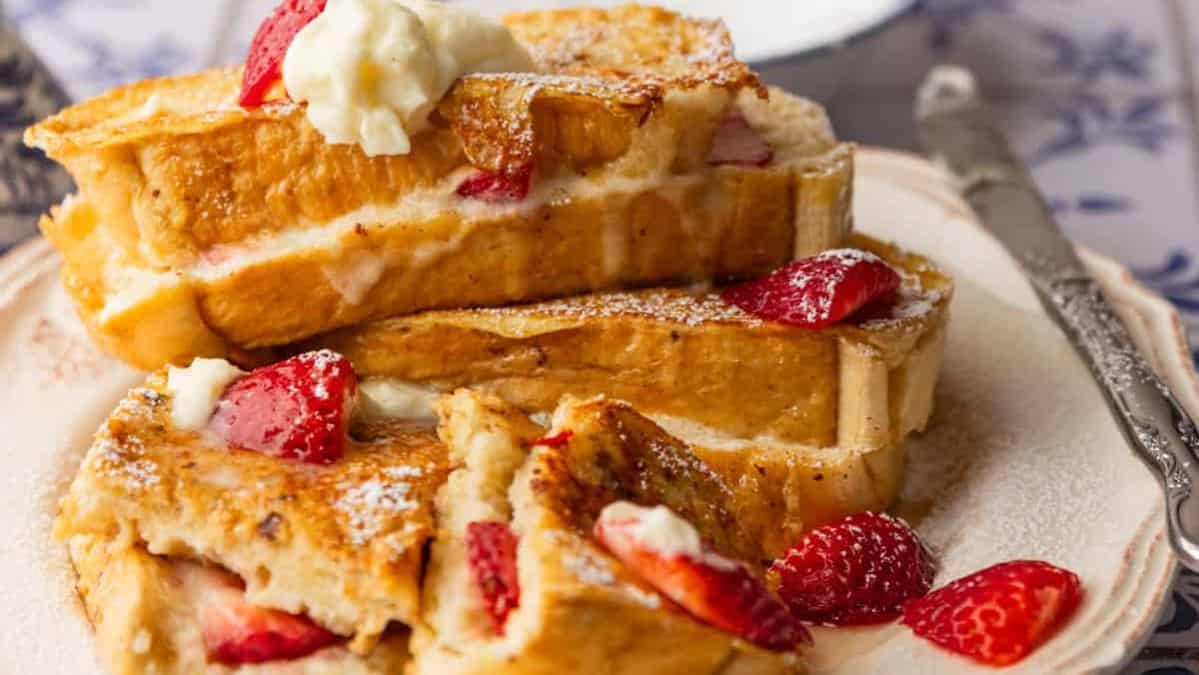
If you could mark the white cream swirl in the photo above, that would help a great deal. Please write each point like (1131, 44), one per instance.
(371, 71)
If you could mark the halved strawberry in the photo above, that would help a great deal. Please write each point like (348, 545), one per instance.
(491, 554)
(819, 291)
(853, 572)
(666, 552)
(498, 188)
(737, 144)
(294, 409)
(1000, 615)
(264, 66)
(236, 632)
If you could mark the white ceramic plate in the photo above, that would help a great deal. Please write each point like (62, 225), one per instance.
(1022, 460)
(764, 30)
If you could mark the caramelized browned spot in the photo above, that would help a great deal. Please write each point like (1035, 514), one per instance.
(511, 120)
(617, 454)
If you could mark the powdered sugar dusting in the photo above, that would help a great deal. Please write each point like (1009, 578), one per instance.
(125, 462)
(371, 505)
(674, 306)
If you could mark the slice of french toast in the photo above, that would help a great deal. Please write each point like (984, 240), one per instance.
(341, 543)
(577, 609)
(674, 353)
(195, 216)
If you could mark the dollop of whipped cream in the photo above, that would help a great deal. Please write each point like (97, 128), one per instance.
(197, 389)
(372, 71)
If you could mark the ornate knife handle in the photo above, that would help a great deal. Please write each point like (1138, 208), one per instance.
(1151, 418)
(29, 182)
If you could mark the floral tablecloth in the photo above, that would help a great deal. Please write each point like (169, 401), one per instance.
(1101, 97)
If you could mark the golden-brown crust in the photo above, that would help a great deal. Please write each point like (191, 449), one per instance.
(634, 42)
(510, 121)
(667, 351)
(343, 542)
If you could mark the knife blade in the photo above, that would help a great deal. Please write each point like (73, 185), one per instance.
(960, 133)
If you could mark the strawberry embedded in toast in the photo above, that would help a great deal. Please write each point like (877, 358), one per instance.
(737, 144)
(236, 632)
(491, 554)
(498, 188)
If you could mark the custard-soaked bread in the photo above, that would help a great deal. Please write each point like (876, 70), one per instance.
(862, 385)
(197, 219)
(145, 611)
(341, 543)
(579, 610)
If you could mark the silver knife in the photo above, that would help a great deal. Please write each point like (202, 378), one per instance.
(959, 132)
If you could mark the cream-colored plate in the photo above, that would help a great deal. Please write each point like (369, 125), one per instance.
(1022, 461)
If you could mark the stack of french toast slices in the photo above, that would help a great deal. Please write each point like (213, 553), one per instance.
(389, 418)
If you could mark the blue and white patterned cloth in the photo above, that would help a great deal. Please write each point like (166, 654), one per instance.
(1100, 96)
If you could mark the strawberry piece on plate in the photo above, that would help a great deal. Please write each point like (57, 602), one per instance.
(854, 572)
(666, 552)
(491, 554)
(264, 66)
(737, 144)
(236, 632)
(498, 188)
(294, 409)
(817, 292)
(1000, 615)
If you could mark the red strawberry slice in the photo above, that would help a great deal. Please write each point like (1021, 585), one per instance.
(498, 188)
(558, 440)
(236, 632)
(713, 588)
(855, 572)
(1000, 615)
(737, 144)
(264, 66)
(491, 554)
(294, 409)
(817, 292)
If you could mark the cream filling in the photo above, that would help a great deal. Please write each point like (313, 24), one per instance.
(385, 398)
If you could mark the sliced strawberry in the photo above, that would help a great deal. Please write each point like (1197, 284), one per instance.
(294, 409)
(665, 551)
(737, 144)
(491, 554)
(498, 188)
(558, 440)
(817, 292)
(264, 66)
(1000, 615)
(854, 572)
(236, 632)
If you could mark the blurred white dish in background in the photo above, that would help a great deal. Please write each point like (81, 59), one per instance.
(765, 30)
